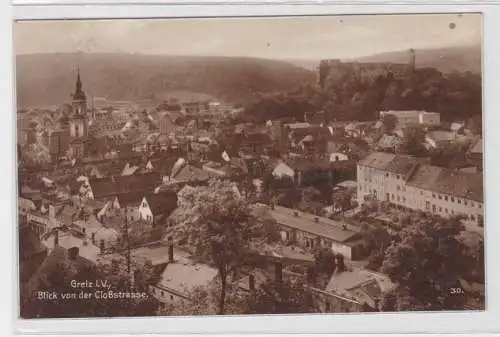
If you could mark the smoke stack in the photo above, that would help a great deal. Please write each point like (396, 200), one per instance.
(251, 282)
(73, 253)
(170, 252)
(278, 273)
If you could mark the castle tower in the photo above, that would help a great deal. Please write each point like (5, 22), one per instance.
(412, 59)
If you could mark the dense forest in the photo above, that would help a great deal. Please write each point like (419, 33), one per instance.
(348, 95)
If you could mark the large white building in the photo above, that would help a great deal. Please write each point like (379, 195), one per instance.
(413, 117)
(415, 184)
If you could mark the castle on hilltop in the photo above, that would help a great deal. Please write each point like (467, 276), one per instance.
(369, 69)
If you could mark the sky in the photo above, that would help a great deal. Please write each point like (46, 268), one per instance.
(276, 38)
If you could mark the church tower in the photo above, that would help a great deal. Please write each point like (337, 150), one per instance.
(79, 102)
(78, 122)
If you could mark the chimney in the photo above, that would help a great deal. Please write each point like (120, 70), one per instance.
(251, 282)
(278, 273)
(170, 252)
(73, 253)
(56, 237)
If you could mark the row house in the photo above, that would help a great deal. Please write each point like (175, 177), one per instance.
(414, 184)
(312, 232)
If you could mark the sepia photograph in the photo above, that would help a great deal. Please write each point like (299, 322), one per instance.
(249, 165)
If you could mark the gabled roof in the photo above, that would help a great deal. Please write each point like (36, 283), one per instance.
(132, 199)
(111, 186)
(162, 203)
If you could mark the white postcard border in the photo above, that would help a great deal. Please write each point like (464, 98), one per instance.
(435, 322)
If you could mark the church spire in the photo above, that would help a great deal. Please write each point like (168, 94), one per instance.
(79, 95)
(78, 82)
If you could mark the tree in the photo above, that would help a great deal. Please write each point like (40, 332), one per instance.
(390, 122)
(325, 261)
(426, 262)
(219, 228)
(292, 296)
(342, 201)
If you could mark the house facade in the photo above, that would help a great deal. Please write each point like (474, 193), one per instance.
(413, 183)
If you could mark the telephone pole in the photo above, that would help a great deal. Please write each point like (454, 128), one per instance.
(127, 238)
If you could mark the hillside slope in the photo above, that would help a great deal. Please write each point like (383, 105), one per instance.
(450, 59)
(47, 79)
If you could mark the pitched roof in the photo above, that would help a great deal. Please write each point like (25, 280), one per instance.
(361, 285)
(111, 186)
(306, 222)
(132, 199)
(29, 244)
(477, 148)
(57, 257)
(451, 182)
(402, 165)
(185, 275)
(377, 160)
(162, 203)
(191, 173)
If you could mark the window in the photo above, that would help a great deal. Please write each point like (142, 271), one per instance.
(452, 199)
(398, 188)
(446, 210)
(479, 205)
(421, 192)
(387, 175)
(465, 202)
(397, 177)
(143, 204)
(433, 195)
(162, 293)
(459, 201)
(404, 199)
(440, 197)
(472, 217)
(171, 297)
(446, 198)
(472, 203)
(440, 209)
(392, 196)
